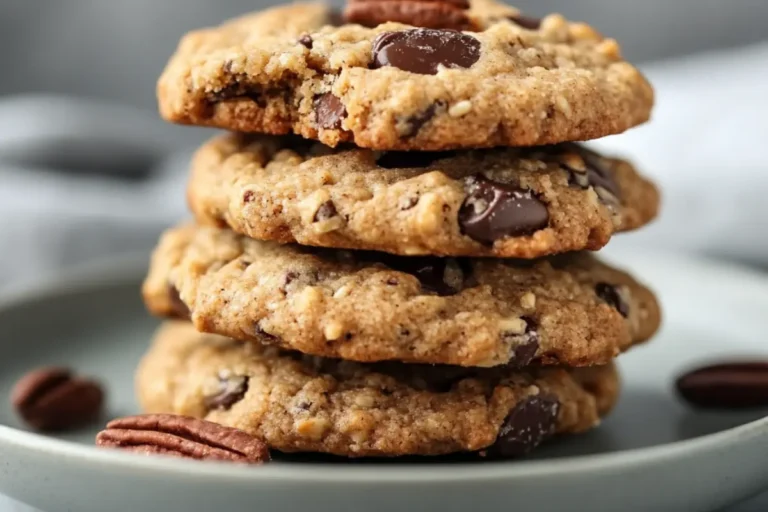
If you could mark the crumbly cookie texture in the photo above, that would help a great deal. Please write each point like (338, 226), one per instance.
(521, 203)
(508, 82)
(299, 403)
(366, 306)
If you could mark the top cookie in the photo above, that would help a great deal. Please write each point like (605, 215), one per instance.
(505, 80)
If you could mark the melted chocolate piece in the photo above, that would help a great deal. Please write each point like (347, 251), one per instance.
(530, 422)
(232, 389)
(423, 50)
(329, 110)
(612, 296)
(495, 210)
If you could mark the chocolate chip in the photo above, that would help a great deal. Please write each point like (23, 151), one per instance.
(494, 210)
(528, 424)
(524, 346)
(329, 111)
(595, 175)
(410, 159)
(232, 389)
(414, 123)
(304, 406)
(178, 308)
(431, 274)
(326, 211)
(265, 337)
(289, 278)
(306, 41)
(406, 203)
(248, 196)
(526, 21)
(443, 276)
(423, 50)
(613, 296)
(734, 385)
(294, 280)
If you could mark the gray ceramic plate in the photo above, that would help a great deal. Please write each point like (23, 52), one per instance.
(653, 453)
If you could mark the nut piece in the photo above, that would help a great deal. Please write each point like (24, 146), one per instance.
(53, 399)
(438, 14)
(181, 436)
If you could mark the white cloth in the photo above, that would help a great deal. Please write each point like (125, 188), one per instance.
(704, 148)
(81, 180)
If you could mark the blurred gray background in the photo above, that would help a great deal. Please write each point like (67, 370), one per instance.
(115, 49)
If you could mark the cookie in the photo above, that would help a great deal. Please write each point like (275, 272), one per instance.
(298, 403)
(505, 81)
(521, 203)
(367, 306)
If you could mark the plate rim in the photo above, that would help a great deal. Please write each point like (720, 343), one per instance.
(115, 270)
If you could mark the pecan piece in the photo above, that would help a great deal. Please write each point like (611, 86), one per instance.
(182, 436)
(438, 14)
(53, 399)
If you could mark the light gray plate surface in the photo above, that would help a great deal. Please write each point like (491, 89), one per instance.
(653, 453)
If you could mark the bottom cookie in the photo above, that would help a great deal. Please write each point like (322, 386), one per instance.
(299, 403)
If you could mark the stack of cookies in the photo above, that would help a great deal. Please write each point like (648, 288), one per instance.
(389, 254)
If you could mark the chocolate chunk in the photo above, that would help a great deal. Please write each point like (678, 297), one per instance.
(52, 398)
(408, 159)
(182, 436)
(431, 274)
(613, 296)
(178, 308)
(304, 406)
(326, 211)
(265, 337)
(232, 389)
(329, 111)
(295, 280)
(526, 22)
(443, 276)
(524, 346)
(530, 422)
(495, 210)
(734, 385)
(290, 276)
(406, 203)
(414, 123)
(595, 175)
(435, 378)
(306, 41)
(423, 50)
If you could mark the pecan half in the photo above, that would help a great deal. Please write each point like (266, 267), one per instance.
(437, 14)
(53, 399)
(182, 436)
